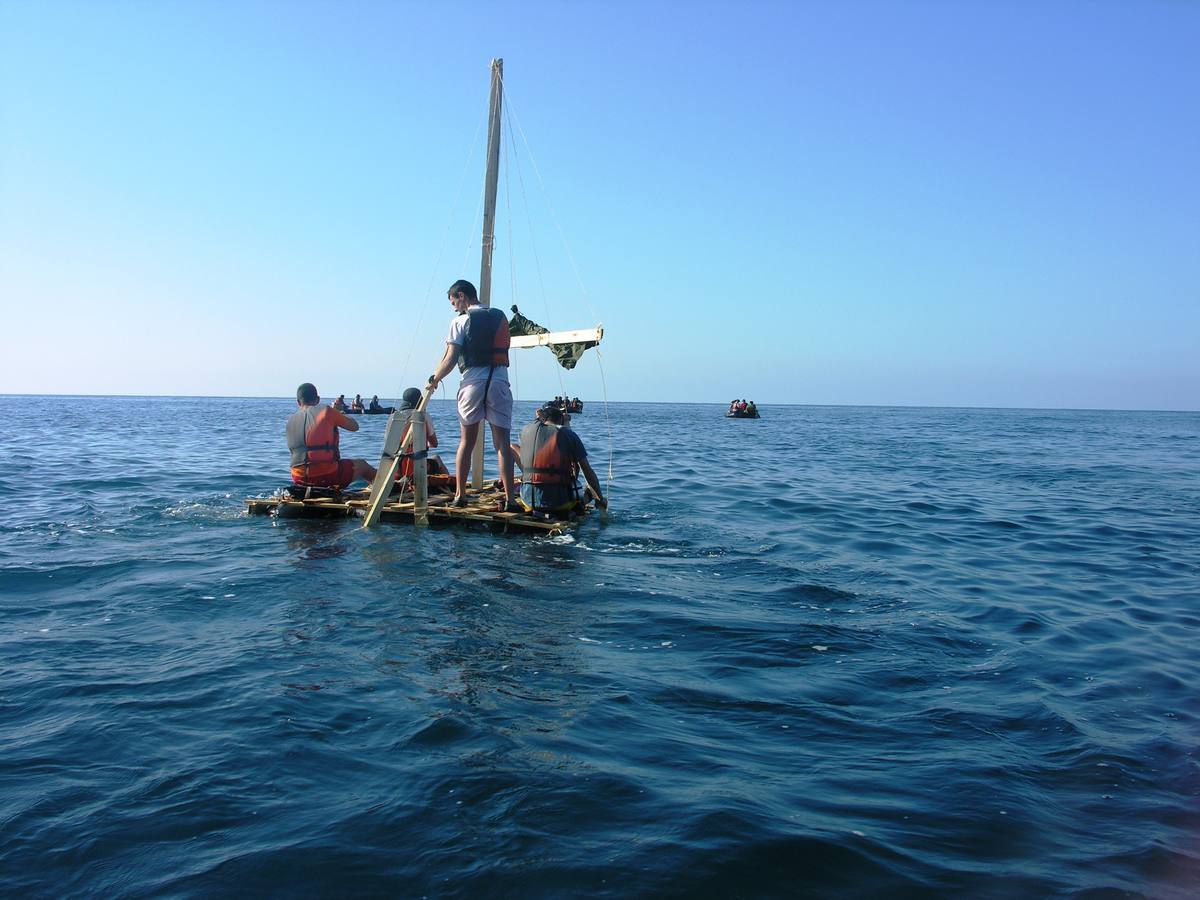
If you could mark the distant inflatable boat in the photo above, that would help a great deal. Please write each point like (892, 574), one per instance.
(742, 414)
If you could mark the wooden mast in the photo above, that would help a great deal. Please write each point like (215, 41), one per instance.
(491, 181)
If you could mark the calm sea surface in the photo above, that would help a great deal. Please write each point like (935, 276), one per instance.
(834, 652)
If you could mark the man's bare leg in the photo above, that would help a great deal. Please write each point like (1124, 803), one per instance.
(505, 456)
(462, 458)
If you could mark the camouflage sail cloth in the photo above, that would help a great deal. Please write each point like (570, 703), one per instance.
(567, 354)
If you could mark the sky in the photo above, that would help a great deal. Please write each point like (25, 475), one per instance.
(927, 203)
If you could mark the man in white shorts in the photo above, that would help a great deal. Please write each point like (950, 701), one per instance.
(478, 342)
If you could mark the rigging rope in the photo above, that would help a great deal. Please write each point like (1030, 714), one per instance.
(462, 179)
(537, 260)
(607, 420)
(512, 257)
(546, 196)
(511, 114)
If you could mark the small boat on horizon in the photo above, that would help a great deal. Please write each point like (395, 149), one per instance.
(358, 409)
(742, 409)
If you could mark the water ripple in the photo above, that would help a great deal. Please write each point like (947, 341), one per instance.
(945, 653)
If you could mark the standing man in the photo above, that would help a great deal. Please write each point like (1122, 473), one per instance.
(312, 436)
(478, 342)
(551, 457)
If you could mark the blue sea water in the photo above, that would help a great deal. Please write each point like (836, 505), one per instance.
(832, 652)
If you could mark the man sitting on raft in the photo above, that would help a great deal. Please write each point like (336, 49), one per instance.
(312, 436)
(408, 403)
(551, 457)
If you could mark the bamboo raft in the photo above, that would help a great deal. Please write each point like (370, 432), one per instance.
(405, 435)
(481, 513)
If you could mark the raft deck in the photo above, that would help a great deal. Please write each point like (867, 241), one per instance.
(481, 511)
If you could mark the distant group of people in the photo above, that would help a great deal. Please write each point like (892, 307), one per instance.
(743, 407)
(550, 454)
(356, 405)
(573, 405)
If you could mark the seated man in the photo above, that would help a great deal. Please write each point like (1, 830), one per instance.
(409, 401)
(357, 404)
(551, 457)
(312, 436)
(340, 403)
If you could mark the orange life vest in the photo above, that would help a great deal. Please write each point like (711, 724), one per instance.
(313, 440)
(542, 461)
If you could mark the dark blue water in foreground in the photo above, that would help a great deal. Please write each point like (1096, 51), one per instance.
(834, 652)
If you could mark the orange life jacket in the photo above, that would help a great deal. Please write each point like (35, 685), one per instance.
(542, 461)
(313, 440)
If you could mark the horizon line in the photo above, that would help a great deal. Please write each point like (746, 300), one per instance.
(653, 402)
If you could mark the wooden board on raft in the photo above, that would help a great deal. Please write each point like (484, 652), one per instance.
(481, 512)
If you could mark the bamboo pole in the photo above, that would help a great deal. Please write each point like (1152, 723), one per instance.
(491, 180)
(420, 468)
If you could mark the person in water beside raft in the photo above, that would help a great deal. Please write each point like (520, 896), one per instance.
(478, 343)
(312, 436)
(551, 457)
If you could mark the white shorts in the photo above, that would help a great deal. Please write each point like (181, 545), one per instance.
(499, 403)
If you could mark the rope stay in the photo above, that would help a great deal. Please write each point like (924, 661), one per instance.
(512, 118)
(424, 305)
(550, 207)
(537, 260)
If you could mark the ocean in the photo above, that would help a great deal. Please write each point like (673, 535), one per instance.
(837, 651)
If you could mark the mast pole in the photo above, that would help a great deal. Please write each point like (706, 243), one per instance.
(491, 180)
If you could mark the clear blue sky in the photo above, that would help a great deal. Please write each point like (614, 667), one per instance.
(918, 203)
